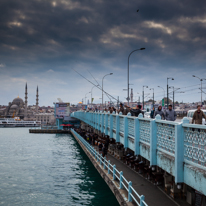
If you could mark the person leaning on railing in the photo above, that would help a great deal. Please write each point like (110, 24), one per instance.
(198, 115)
(135, 112)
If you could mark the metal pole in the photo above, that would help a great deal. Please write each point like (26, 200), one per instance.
(91, 98)
(102, 88)
(153, 97)
(173, 97)
(128, 81)
(143, 99)
(102, 93)
(201, 92)
(167, 93)
(128, 73)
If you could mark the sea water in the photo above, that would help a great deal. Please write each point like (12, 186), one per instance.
(48, 169)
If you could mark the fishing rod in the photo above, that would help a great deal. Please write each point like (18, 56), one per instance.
(95, 85)
(99, 85)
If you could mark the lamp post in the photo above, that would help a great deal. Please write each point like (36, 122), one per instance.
(143, 96)
(102, 87)
(128, 73)
(168, 89)
(163, 96)
(163, 90)
(153, 95)
(173, 95)
(86, 97)
(91, 92)
(201, 85)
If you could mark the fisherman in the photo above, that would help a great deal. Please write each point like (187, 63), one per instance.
(137, 111)
(121, 108)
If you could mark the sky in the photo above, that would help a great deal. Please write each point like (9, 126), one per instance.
(43, 42)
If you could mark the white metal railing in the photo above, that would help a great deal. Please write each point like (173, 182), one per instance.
(117, 175)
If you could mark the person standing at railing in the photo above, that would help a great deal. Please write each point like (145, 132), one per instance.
(198, 115)
(160, 112)
(170, 114)
(152, 113)
(136, 112)
(121, 108)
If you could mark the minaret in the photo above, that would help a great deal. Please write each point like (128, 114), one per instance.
(131, 95)
(26, 102)
(37, 99)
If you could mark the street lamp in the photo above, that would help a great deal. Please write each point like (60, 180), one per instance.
(201, 85)
(143, 96)
(91, 92)
(86, 97)
(128, 73)
(168, 89)
(153, 95)
(163, 90)
(173, 95)
(102, 87)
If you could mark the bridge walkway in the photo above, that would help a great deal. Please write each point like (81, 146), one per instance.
(154, 195)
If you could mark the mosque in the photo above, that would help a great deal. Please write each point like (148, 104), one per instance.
(19, 108)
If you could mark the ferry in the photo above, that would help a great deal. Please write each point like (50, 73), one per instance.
(16, 122)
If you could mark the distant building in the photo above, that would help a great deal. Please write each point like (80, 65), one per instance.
(19, 108)
(45, 118)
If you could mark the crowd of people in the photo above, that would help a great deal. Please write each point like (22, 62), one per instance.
(169, 114)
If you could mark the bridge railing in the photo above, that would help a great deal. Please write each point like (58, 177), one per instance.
(166, 144)
(117, 175)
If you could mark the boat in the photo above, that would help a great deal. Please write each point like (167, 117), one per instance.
(16, 122)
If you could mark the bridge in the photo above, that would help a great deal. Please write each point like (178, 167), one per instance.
(179, 148)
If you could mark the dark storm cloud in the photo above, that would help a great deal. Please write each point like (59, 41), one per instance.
(39, 35)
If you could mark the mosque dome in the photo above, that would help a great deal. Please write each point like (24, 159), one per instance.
(17, 101)
(14, 106)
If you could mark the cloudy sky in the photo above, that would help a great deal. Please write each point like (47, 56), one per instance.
(42, 41)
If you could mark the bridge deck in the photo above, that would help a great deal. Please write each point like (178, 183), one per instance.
(154, 195)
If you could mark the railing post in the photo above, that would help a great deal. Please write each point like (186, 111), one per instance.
(137, 136)
(126, 131)
(153, 141)
(141, 200)
(102, 124)
(130, 191)
(117, 127)
(111, 126)
(98, 121)
(104, 163)
(106, 124)
(93, 151)
(95, 154)
(108, 166)
(179, 153)
(101, 160)
(114, 172)
(121, 179)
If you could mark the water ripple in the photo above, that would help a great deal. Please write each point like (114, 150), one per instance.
(47, 169)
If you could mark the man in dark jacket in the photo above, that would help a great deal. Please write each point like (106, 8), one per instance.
(136, 112)
(170, 114)
(152, 113)
(121, 108)
(198, 115)
(160, 112)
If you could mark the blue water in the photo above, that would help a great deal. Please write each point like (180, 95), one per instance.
(48, 169)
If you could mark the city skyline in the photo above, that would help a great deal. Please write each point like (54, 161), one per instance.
(43, 41)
